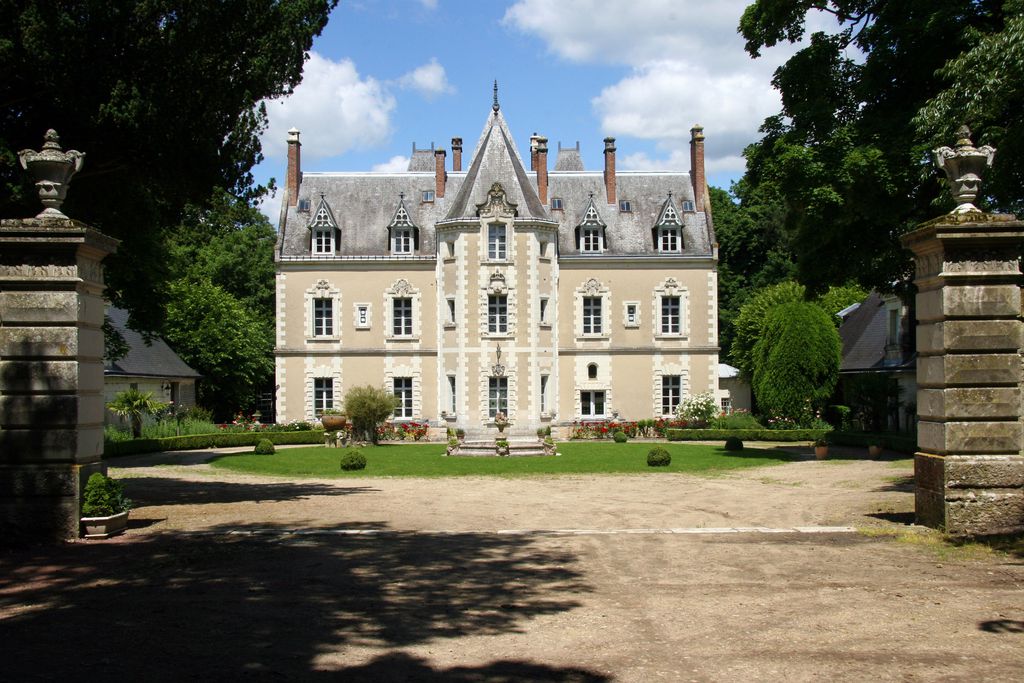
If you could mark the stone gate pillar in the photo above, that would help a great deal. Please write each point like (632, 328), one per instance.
(51, 357)
(969, 475)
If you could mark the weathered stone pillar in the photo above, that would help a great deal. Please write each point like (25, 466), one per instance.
(51, 365)
(969, 475)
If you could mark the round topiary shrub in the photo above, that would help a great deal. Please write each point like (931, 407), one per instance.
(620, 437)
(353, 459)
(733, 443)
(264, 447)
(658, 457)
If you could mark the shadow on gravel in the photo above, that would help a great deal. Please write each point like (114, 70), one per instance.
(1002, 626)
(146, 491)
(404, 667)
(898, 484)
(905, 518)
(218, 606)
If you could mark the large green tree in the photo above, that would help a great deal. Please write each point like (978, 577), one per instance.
(846, 154)
(164, 98)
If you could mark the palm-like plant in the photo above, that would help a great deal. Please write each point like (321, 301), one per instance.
(133, 405)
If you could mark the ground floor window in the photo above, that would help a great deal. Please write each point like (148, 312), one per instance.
(497, 396)
(592, 403)
(671, 393)
(543, 393)
(323, 395)
(452, 395)
(727, 405)
(403, 392)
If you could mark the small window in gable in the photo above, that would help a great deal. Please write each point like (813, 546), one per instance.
(304, 205)
(556, 203)
(401, 241)
(669, 240)
(323, 229)
(625, 206)
(403, 233)
(590, 235)
(687, 205)
(428, 195)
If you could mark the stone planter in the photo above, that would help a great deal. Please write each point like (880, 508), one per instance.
(104, 527)
(333, 423)
(874, 452)
(821, 452)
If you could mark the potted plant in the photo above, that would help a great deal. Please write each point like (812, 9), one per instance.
(821, 449)
(453, 446)
(874, 451)
(333, 419)
(460, 434)
(104, 507)
(500, 421)
(501, 446)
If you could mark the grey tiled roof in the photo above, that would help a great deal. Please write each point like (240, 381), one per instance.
(145, 360)
(569, 159)
(421, 160)
(864, 334)
(364, 203)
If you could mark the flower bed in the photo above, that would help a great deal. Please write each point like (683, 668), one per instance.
(604, 429)
(402, 431)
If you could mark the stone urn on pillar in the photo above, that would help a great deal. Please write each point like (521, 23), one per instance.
(52, 170)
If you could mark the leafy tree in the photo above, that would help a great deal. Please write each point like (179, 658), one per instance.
(796, 362)
(846, 154)
(219, 337)
(163, 96)
(368, 407)
(134, 405)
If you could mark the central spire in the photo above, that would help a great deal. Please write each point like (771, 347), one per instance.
(495, 106)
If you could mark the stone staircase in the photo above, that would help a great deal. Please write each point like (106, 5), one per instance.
(486, 448)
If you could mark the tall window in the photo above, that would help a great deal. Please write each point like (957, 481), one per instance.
(402, 319)
(544, 309)
(452, 395)
(497, 313)
(671, 393)
(543, 393)
(670, 315)
(592, 403)
(403, 392)
(323, 317)
(323, 241)
(401, 241)
(592, 315)
(496, 247)
(591, 239)
(669, 240)
(323, 395)
(497, 396)
(451, 310)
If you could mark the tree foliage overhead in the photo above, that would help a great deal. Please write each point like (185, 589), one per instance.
(847, 155)
(164, 98)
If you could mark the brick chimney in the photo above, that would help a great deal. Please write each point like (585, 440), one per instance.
(609, 169)
(542, 169)
(293, 176)
(697, 166)
(456, 154)
(533, 151)
(439, 174)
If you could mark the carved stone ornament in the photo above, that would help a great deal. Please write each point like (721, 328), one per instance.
(498, 370)
(52, 170)
(496, 202)
(964, 166)
(671, 285)
(497, 283)
(323, 284)
(592, 287)
(402, 288)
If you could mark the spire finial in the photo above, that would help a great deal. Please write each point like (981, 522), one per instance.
(495, 106)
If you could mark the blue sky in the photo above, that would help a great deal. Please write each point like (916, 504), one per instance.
(384, 74)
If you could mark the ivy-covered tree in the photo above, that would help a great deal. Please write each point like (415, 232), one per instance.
(164, 98)
(796, 362)
(863, 105)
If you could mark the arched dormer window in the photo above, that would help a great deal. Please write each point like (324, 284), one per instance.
(668, 229)
(403, 234)
(590, 233)
(323, 230)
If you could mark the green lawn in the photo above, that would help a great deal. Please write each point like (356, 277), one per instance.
(428, 460)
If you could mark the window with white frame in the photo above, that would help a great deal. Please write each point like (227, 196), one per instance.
(401, 241)
(556, 203)
(362, 315)
(592, 403)
(323, 317)
(323, 241)
(727, 405)
(452, 402)
(427, 195)
(669, 240)
(543, 393)
(687, 205)
(497, 313)
(403, 396)
(671, 311)
(323, 395)
(401, 317)
(451, 310)
(590, 239)
(497, 396)
(671, 393)
(625, 206)
(543, 310)
(632, 315)
(592, 315)
(496, 246)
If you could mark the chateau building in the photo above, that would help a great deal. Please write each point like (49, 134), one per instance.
(551, 295)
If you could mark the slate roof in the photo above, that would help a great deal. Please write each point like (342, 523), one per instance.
(569, 159)
(364, 203)
(153, 360)
(865, 334)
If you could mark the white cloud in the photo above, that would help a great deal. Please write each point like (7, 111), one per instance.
(335, 109)
(429, 4)
(270, 206)
(395, 164)
(429, 79)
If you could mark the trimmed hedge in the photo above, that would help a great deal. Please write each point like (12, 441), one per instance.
(745, 434)
(113, 449)
(901, 443)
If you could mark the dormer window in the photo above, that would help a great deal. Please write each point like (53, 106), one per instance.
(625, 206)
(403, 235)
(496, 245)
(323, 229)
(401, 241)
(556, 203)
(323, 241)
(590, 240)
(669, 240)
(590, 234)
(668, 230)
